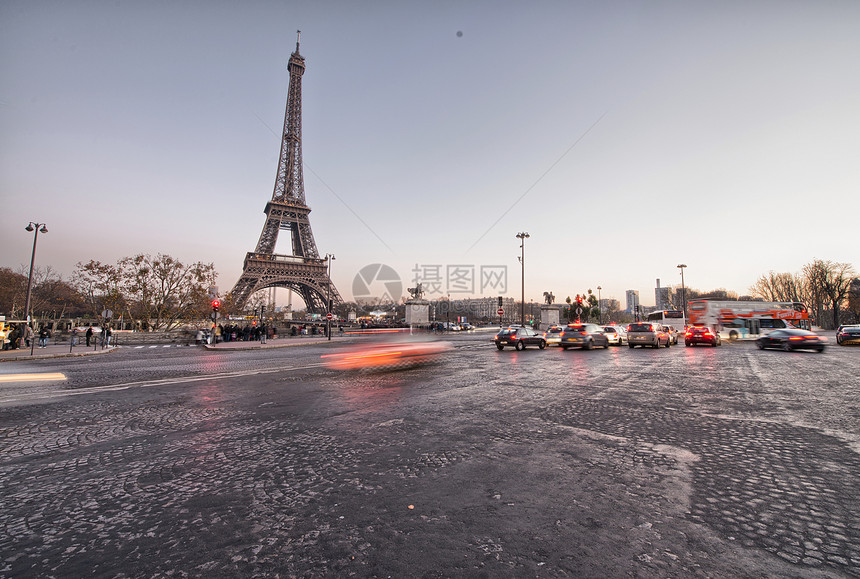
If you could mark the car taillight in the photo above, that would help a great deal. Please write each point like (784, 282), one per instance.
(707, 334)
(688, 334)
(798, 338)
(583, 333)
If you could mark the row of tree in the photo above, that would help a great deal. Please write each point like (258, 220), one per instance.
(830, 290)
(156, 293)
(160, 292)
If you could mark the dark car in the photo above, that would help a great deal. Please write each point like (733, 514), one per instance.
(790, 340)
(701, 335)
(847, 335)
(647, 334)
(585, 336)
(519, 338)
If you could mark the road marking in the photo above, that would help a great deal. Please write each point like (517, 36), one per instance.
(148, 383)
(32, 377)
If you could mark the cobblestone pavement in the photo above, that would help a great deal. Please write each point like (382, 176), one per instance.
(669, 463)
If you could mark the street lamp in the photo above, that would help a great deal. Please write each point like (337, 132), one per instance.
(329, 257)
(522, 237)
(38, 228)
(681, 266)
(599, 307)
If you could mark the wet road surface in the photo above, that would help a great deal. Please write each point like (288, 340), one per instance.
(673, 462)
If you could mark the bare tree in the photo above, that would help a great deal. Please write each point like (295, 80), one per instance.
(780, 287)
(164, 290)
(829, 283)
(854, 299)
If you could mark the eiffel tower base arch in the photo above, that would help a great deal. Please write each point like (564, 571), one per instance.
(308, 277)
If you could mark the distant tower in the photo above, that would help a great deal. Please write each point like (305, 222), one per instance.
(303, 271)
(632, 300)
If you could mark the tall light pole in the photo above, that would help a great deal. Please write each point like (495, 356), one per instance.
(599, 307)
(38, 228)
(328, 257)
(681, 266)
(522, 236)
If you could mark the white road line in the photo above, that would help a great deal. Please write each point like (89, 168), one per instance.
(148, 383)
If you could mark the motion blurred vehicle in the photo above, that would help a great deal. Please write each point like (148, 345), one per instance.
(519, 338)
(552, 335)
(848, 335)
(387, 355)
(791, 339)
(701, 335)
(466, 326)
(647, 334)
(585, 336)
(616, 334)
(673, 334)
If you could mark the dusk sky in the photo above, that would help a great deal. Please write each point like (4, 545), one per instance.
(624, 137)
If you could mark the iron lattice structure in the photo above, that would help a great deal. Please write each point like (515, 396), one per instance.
(303, 271)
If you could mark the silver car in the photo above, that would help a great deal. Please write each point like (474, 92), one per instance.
(647, 334)
(585, 336)
(616, 334)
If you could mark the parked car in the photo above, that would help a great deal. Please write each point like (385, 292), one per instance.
(616, 334)
(585, 336)
(790, 340)
(847, 335)
(701, 335)
(552, 335)
(647, 334)
(519, 338)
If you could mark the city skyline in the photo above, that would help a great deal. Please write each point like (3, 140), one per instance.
(672, 133)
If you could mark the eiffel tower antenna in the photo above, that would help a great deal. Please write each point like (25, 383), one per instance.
(303, 271)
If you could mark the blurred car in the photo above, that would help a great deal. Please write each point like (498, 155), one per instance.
(466, 326)
(552, 335)
(847, 335)
(616, 334)
(585, 336)
(380, 356)
(701, 335)
(519, 338)
(789, 340)
(647, 334)
(673, 334)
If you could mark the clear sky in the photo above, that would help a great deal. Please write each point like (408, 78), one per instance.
(624, 137)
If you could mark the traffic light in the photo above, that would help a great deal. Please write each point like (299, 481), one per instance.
(578, 300)
(500, 301)
(215, 305)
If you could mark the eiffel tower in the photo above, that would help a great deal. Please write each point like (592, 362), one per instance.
(304, 271)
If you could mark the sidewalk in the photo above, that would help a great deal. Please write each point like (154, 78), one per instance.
(52, 351)
(284, 342)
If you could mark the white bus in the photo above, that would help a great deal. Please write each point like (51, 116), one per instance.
(745, 319)
(674, 318)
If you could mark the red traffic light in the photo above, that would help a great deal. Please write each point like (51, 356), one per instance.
(216, 304)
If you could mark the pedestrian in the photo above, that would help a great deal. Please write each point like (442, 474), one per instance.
(89, 334)
(44, 334)
(75, 337)
(108, 334)
(263, 336)
(28, 334)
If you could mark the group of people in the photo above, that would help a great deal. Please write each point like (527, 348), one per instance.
(235, 333)
(20, 335)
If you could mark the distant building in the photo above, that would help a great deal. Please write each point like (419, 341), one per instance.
(662, 297)
(632, 300)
